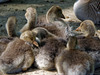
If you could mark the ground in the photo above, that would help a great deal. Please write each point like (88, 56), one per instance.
(17, 8)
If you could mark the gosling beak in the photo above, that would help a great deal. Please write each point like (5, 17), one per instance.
(62, 16)
(78, 29)
(35, 43)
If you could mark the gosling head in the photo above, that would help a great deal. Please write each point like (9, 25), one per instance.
(31, 14)
(87, 27)
(11, 26)
(42, 33)
(27, 36)
(53, 13)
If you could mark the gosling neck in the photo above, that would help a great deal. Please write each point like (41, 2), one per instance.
(31, 24)
(70, 47)
(72, 43)
(50, 18)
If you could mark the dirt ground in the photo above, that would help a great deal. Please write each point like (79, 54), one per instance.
(17, 8)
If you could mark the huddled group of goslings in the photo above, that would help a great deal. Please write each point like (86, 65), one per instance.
(51, 43)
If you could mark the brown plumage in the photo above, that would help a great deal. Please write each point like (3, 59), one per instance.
(50, 47)
(4, 40)
(28, 36)
(60, 32)
(18, 56)
(53, 13)
(72, 61)
(88, 42)
(51, 23)
(92, 43)
(11, 26)
(87, 27)
(31, 17)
